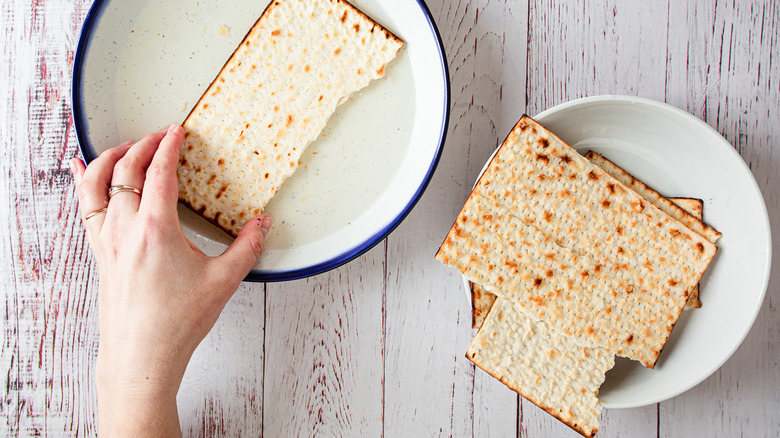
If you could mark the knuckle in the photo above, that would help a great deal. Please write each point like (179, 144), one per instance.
(158, 170)
(86, 187)
(109, 155)
(156, 225)
(102, 160)
(152, 222)
(109, 242)
(160, 190)
(150, 138)
(127, 164)
(83, 190)
(257, 243)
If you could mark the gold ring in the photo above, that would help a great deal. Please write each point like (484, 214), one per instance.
(95, 213)
(121, 188)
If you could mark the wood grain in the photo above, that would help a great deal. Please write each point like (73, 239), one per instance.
(425, 301)
(222, 391)
(586, 48)
(724, 69)
(49, 331)
(324, 352)
(376, 347)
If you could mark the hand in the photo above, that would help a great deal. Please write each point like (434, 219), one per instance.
(159, 295)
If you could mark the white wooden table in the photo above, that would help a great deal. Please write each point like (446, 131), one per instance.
(376, 347)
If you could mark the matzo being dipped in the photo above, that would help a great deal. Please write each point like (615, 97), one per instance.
(272, 99)
(575, 247)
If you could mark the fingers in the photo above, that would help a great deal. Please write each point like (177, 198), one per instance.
(161, 192)
(92, 184)
(236, 262)
(131, 171)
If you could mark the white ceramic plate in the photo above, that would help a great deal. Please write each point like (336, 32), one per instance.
(680, 155)
(141, 65)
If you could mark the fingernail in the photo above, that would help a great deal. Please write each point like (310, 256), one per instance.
(172, 128)
(265, 224)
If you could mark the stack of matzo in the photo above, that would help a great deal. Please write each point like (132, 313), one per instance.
(689, 211)
(566, 244)
(686, 210)
(272, 98)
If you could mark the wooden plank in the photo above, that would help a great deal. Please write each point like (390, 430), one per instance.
(49, 308)
(485, 44)
(501, 34)
(52, 321)
(586, 48)
(222, 391)
(636, 422)
(724, 69)
(495, 407)
(324, 356)
(428, 381)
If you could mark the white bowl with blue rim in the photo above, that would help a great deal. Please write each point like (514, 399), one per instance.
(143, 65)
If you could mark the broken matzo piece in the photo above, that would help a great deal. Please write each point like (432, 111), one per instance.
(575, 247)
(481, 302)
(272, 99)
(545, 367)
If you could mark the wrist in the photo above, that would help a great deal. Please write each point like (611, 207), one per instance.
(136, 402)
(136, 381)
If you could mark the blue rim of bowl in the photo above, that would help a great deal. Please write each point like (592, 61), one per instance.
(88, 151)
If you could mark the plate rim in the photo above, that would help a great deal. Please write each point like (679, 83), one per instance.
(690, 118)
(87, 150)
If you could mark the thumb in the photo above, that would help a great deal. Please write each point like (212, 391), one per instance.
(243, 253)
